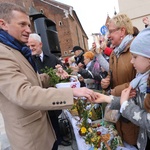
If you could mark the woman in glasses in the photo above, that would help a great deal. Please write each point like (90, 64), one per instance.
(121, 71)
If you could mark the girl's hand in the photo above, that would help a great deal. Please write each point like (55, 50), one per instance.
(101, 98)
(132, 93)
(125, 95)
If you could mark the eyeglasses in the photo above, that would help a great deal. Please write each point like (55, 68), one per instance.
(113, 30)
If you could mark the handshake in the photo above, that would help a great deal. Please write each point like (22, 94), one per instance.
(89, 94)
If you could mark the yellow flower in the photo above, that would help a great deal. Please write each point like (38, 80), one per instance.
(98, 138)
(90, 114)
(95, 148)
(90, 130)
(83, 130)
(92, 139)
(87, 142)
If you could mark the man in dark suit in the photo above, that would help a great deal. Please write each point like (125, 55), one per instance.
(43, 60)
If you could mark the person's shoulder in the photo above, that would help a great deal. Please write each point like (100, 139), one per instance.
(127, 48)
(7, 52)
(53, 58)
(4, 46)
(51, 55)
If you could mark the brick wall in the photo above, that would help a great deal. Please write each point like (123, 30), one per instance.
(70, 32)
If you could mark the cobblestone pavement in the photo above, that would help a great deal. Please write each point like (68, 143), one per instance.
(72, 147)
(4, 144)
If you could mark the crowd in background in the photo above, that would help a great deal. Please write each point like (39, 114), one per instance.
(118, 66)
(107, 67)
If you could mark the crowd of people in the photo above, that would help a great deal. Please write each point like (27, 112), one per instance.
(127, 46)
(120, 66)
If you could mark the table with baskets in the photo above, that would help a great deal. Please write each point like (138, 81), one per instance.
(93, 134)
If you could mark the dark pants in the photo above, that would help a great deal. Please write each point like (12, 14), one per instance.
(148, 144)
(53, 114)
(55, 146)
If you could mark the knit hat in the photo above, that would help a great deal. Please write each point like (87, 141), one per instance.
(141, 44)
(75, 48)
(89, 55)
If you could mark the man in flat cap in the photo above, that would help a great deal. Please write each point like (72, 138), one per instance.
(79, 60)
(78, 52)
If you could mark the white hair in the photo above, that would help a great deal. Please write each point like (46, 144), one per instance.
(35, 36)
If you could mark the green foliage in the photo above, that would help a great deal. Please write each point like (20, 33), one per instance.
(89, 131)
(69, 70)
(93, 138)
(115, 142)
(54, 79)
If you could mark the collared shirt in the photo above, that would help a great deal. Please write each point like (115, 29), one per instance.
(41, 56)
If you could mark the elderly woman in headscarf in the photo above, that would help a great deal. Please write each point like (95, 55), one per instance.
(121, 71)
